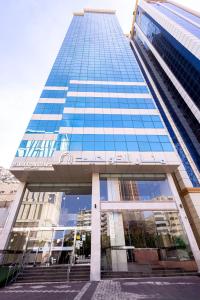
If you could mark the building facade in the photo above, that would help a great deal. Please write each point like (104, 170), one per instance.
(166, 41)
(96, 163)
(8, 189)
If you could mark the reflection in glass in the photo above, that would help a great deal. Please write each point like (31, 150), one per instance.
(58, 238)
(38, 247)
(136, 187)
(55, 206)
(103, 189)
(142, 240)
(83, 246)
(74, 209)
(144, 190)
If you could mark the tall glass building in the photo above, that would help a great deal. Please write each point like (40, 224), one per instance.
(97, 163)
(166, 41)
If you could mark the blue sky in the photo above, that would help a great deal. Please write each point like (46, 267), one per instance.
(31, 33)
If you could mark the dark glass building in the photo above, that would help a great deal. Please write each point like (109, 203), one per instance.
(166, 41)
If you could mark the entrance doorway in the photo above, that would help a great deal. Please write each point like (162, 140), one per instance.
(51, 247)
(83, 247)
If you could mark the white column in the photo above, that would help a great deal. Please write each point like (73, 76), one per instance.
(190, 235)
(116, 226)
(95, 268)
(11, 216)
(117, 239)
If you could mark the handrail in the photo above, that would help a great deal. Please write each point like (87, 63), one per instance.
(15, 268)
(11, 267)
(23, 263)
(72, 259)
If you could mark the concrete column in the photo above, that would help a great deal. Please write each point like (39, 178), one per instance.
(190, 235)
(116, 227)
(113, 189)
(95, 268)
(117, 239)
(11, 216)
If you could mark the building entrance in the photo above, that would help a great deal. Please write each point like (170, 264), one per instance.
(53, 225)
(50, 247)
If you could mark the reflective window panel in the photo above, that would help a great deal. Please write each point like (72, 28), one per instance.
(135, 187)
(50, 206)
(142, 241)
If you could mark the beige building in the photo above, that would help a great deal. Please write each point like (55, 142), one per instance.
(8, 189)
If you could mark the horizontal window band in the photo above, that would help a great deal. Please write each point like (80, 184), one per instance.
(56, 88)
(154, 138)
(111, 117)
(96, 142)
(112, 105)
(108, 95)
(128, 103)
(139, 83)
(53, 94)
(108, 89)
(49, 108)
(109, 99)
(110, 111)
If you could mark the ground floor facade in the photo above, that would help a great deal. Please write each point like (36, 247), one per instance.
(114, 222)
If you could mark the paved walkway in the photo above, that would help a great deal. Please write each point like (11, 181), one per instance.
(168, 288)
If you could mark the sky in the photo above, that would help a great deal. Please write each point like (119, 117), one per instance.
(31, 33)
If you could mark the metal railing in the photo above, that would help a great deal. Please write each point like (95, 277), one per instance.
(71, 262)
(15, 261)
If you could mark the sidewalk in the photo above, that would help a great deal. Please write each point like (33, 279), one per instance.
(168, 288)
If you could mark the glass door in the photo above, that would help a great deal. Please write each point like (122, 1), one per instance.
(38, 247)
(62, 246)
(83, 247)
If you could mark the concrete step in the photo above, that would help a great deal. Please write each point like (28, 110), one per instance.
(39, 269)
(54, 273)
(109, 275)
(32, 272)
(44, 274)
(79, 273)
(30, 280)
(33, 276)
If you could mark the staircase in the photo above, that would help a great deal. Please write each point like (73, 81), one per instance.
(79, 273)
(43, 274)
(161, 272)
(57, 273)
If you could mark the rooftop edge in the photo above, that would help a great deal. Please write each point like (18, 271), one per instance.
(96, 11)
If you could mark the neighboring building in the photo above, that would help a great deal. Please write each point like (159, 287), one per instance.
(8, 188)
(97, 138)
(166, 41)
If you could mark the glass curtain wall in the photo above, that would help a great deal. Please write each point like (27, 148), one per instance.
(135, 187)
(142, 241)
(53, 224)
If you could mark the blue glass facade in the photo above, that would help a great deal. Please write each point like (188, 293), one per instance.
(91, 102)
(95, 69)
(184, 65)
(186, 68)
(96, 142)
(174, 138)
